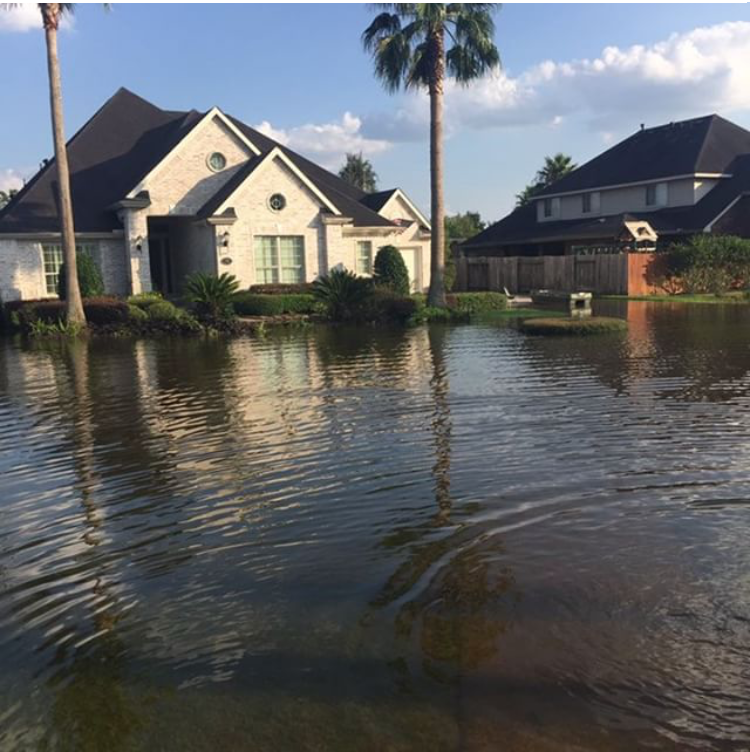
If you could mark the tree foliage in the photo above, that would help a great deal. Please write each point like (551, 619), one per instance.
(459, 227)
(359, 172)
(89, 278)
(389, 270)
(6, 196)
(710, 263)
(553, 169)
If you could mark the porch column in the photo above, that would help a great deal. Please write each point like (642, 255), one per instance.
(138, 261)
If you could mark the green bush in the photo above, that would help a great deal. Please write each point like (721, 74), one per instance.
(342, 293)
(144, 300)
(22, 314)
(477, 302)
(386, 306)
(89, 278)
(710, 263)
(136, 314)
(283, 288)
(211, 295)
(251, 304)
(389, 270)
(163, 311)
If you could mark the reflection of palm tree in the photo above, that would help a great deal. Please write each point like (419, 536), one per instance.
(441, 421)
(455, 618)
(91, 710)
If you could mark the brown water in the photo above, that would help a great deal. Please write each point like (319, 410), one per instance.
(443, 539)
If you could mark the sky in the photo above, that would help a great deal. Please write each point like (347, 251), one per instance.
(575, 79)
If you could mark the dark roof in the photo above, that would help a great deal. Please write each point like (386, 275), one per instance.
(120, 145)
(702, 145)
(376, 201)
(209, 208)
(108, 156)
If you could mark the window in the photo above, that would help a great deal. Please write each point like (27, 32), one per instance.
(586, 203)
(547, 207)
(277, 202)
(52, 255)
(279, 259)
(363, 261)
(650, 195)
(217, 161)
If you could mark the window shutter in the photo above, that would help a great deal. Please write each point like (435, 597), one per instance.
(662, 196)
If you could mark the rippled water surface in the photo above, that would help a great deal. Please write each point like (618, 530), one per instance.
(446, 539)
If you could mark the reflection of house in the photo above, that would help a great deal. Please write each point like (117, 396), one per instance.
(159, 194)
(657, 185)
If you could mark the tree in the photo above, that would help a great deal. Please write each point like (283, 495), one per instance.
(407, 42)
(359, 172)
(554, 169)
(6, 196)
(389, 270)
(52, 14)
(459, 227)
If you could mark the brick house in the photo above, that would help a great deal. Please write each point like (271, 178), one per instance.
(158, 195)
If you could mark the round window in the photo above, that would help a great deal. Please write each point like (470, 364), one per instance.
(277, 202)
(217, 161)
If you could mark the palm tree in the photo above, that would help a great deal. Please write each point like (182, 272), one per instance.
(407, 42)
(555, 168)
(359, 172)
(52, 14)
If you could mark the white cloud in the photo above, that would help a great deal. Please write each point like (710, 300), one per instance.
(10, 178)
(26, 16)
(327, 143)
(695, 73)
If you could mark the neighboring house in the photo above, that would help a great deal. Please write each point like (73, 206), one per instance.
(657, 186)
(158, 195)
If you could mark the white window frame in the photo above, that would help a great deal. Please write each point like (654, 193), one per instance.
(279, 270)
(58, 261)
(359, 267)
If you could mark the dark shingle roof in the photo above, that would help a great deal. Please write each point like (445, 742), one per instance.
(119, 145)
(376, 201)
(108, 156)
(702, 145)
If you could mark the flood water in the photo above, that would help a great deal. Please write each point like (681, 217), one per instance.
(455, 538)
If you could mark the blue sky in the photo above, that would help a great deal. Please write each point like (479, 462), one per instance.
(575, 78)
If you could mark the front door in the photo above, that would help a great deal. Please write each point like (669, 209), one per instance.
(161, 267)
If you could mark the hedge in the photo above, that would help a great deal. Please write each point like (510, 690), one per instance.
(574, 326)
(302, 288)
(477, 302)
(279, 304)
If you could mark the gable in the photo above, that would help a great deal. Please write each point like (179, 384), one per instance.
(271, 176)
(184, 180)
(398, 207)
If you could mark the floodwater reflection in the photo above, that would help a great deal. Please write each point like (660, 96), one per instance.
(445, 538)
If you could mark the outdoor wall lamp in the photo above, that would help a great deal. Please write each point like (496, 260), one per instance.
(139, 243)
(225, 239)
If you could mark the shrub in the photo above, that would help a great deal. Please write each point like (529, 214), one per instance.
(105, 310)
(342, 293)
(21, 314)
(385, 305)
(89, 277)
(144, 300)
(709, 263)
(302, 288)
(136, 314)
(575, 326)
(212, 295)
(163, 310)
(251, 304)
(389, 270)
(477, 302)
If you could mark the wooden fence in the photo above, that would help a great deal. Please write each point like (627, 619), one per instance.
(606, 274)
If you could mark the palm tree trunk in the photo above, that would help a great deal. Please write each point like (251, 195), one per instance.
(436, 293)
(74, 305)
